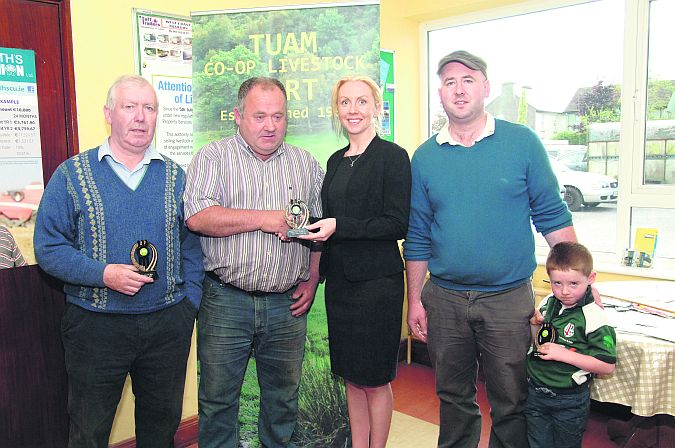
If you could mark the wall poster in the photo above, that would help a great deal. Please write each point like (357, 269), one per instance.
(308, 49)
(388, 87)
(21, 181)
(164, 57)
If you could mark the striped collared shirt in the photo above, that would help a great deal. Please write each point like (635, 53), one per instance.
(227, 173)
(10, 255)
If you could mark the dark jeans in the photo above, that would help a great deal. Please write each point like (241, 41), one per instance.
(466, 325)
(233, 324)
(556, 420)
(102, 348)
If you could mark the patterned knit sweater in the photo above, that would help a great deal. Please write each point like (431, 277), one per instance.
(89, 218)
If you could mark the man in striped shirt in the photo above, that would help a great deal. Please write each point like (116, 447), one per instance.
(259, 285)
(10, 255)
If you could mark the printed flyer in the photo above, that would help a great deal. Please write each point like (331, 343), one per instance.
(164, 57)
(21, 181)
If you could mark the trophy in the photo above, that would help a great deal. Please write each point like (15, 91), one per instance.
(296, 215)
(144, 258)
(546, 334)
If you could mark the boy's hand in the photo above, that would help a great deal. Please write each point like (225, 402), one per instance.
(553, 352)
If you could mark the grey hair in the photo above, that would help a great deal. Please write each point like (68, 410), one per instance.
(127, 80)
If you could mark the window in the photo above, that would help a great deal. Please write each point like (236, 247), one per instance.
(659, 156)
(595, 80)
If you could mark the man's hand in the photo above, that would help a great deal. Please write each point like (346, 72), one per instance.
(303, 295)
(596, 297)
(273, 221)
(124, 278)
(417, 319)
(537, 318)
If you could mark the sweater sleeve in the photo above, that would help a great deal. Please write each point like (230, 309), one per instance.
(193, 264)
(417, 245)
(392, 223)
(548, 210)
(57, 247)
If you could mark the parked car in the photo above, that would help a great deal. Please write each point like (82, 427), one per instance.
(581, 188)
(18, 206)
(575, 160)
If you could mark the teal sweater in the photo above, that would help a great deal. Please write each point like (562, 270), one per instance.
(89, 218)
(471, 208)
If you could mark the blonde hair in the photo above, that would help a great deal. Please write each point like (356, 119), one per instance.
(377, 96)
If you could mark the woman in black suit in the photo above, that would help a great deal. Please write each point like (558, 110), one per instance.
(366, 201)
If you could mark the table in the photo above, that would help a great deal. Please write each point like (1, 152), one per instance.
(644, 378)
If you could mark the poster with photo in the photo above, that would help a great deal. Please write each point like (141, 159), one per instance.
(307, 48)
(21, 181)
(164, 57)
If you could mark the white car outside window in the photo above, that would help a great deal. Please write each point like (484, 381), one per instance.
(582, 188)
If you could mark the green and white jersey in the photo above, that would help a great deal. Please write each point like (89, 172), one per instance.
(583, 328)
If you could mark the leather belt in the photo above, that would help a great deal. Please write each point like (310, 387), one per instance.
(213, 276)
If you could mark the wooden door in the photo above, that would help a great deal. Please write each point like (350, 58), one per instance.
(33, 391)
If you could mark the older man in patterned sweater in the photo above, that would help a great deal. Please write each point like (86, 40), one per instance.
(101, 209)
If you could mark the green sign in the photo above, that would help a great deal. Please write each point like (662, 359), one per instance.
(17, 65)
(387, 85)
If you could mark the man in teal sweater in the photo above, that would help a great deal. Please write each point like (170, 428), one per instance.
(107, 216)
(475, 188)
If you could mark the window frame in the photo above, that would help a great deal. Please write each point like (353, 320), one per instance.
(633, 193)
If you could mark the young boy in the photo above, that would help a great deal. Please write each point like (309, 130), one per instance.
(583, 344)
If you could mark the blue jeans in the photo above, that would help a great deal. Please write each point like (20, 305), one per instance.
(466, 325)
(233, 324)
(556, 420)
(101, 348)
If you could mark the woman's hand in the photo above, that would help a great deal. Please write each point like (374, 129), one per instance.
(326, 228)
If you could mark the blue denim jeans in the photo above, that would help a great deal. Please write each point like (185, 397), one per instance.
(101, 348)
(231, 326)
(556, 420)
(464, 326)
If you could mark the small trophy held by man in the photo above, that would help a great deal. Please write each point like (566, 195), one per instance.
(144, 258)
(296, 215)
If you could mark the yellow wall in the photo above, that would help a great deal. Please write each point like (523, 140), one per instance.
(103, 50)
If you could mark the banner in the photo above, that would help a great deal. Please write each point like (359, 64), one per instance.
(307, 48)
(21, 181)
(164, 57)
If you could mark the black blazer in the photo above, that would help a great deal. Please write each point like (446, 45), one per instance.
(378, 205)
